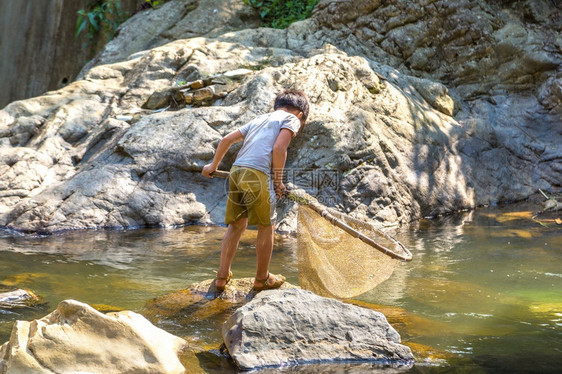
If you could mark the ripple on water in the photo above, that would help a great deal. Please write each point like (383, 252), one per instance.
(482, 293)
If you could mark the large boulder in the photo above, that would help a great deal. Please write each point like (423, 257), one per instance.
(66, 173)
(77, 338)
(477, 46)
(388, 139)
(289, 327)
(175, 19)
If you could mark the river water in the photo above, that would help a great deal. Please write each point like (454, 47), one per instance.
(483, 293)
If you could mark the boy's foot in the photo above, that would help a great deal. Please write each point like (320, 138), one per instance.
(221, 282)
(271, 282)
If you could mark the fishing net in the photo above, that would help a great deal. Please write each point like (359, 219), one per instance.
(334, 263)
(340, 256)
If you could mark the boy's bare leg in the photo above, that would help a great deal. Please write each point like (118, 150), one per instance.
(228, 248)
(264, 248)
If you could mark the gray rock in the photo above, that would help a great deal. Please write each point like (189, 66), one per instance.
(237, 74)
(236, 291)
(478, 46)
(174, 20)
(552, 205)
(550, 95)
(289, 327)
(40, 59)
(436, 94)
(159, 99)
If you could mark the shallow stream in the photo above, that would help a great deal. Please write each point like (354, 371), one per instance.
(483, 293)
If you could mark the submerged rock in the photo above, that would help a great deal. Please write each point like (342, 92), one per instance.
(409, 325)
(458, 297)
(201, 305)
(77, 338)
(11, 298)
(289, 327)
(236, 291)
(552, 205)
(430, 355)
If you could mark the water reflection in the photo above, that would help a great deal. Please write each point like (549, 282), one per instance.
(485, 276)
(483, 293)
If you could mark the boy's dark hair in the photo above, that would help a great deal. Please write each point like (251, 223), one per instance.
(292, 99)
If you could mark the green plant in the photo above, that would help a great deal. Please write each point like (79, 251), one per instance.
(99, 15)
(106, 15)
(155, 3)
(280, 14)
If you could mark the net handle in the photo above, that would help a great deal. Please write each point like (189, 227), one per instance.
(220, 174)
(323, 212)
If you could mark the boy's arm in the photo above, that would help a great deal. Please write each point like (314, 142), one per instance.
(278, 159)
(223, 147)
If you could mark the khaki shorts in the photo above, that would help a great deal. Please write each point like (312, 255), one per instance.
(251, 195)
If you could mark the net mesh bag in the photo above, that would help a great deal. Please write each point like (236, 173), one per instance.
(333, 263)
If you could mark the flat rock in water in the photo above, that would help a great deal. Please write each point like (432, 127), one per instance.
(236, 291)
(201, 304)
(77, 338)
(17, 298)
(290, 327)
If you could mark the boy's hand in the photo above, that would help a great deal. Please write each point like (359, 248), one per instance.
(208, 170)
(280, 190)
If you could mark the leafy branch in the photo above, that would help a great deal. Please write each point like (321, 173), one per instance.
(99, 15)
(105, 15)
(279, 14)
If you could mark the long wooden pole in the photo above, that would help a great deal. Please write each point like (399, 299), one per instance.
(323, 212)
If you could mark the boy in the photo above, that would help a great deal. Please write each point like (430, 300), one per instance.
(255, 180)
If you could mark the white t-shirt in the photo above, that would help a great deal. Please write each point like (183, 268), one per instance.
(260, 135)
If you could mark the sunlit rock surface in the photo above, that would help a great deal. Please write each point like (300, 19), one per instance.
(77, 338)
(417, 108)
